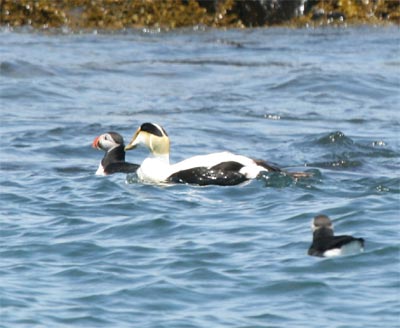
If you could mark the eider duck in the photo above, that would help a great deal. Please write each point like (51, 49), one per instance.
(325, 244)
(114, 159)
(222, 168)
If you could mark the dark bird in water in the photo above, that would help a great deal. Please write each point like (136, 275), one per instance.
(114, 158)
(325, 244)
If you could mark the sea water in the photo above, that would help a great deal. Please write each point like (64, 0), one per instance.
(88, 251)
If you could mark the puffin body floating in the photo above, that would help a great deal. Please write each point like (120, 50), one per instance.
(114, 158)
(222, 168)
(325, 244)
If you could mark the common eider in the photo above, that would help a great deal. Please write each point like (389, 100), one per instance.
(114, 158)
(223, 168)
(325, 244)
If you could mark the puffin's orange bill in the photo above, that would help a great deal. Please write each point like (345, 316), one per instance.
(95, 143)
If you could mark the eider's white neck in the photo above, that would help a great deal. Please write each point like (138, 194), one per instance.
(160, 158)
(155, 168)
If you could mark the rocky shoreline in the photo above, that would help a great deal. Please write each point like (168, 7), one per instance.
(170, 14)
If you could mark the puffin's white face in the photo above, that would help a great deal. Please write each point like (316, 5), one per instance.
(153, 136)
(321, 221)
(107, 141)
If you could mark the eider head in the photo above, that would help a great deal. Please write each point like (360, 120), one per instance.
(321, 222)
(108, 141)
(153, 136)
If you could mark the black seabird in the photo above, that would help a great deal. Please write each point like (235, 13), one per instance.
(325, 244)
(114, 158)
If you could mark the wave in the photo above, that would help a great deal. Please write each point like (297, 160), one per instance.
(335, 150)
(24, 69)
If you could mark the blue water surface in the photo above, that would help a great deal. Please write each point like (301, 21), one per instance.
(87, 251)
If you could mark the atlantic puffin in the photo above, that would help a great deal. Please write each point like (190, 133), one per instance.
(114, 158)
(325, 244)
(223, 168)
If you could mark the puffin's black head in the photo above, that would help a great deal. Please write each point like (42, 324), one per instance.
(321, 222)
(108, 141)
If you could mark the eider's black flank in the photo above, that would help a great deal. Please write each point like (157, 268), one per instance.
(223, 174)
(227, 166)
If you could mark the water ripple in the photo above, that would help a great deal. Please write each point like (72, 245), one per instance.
(23, 69)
